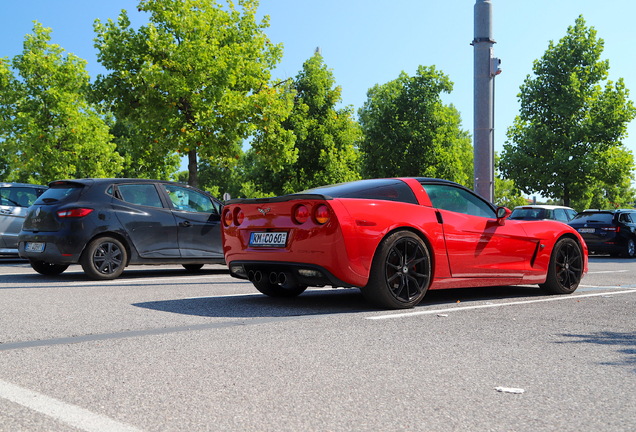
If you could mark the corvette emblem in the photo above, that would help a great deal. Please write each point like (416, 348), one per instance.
(264, 211)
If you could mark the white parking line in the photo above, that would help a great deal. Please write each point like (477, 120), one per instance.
(463, 308)
(72, 415)
(613, 271)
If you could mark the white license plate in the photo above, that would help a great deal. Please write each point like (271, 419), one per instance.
(34, 247)
(587, 230)
(272, 239)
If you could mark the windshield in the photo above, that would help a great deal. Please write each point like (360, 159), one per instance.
(594, 217)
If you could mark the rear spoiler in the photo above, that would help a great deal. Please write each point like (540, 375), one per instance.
(282, 198)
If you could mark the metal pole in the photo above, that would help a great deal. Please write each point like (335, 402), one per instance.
(483, 115)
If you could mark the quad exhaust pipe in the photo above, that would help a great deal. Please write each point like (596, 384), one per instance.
(277, 278)
(254, 276)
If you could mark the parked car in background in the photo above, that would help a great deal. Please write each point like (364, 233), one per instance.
(108, 224)
(542, 211)
(15, 199)
(608, 231)
(395, 239)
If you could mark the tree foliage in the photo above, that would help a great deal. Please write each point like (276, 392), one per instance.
(563, 142)
(408, 131)
(506, 193)
(196, 79)
(48, 128)
(325, 138)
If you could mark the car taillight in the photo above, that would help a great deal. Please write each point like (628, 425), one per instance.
(239, 216)
(301, 214)
(227, 218)
(322, 214)
(74, 213)
(615, 229)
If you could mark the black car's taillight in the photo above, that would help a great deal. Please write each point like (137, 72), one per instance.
(74, 213)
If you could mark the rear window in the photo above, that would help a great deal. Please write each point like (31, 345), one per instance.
(387, 190)
(605, 218)
(18, 196)
(529, 213)
(60, 193)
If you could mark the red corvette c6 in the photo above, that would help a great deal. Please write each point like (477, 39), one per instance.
(395, 239)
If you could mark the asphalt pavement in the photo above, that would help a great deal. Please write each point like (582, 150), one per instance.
(160, 349)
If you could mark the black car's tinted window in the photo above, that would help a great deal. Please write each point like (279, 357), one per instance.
(458, 200)
(387, 190)
(60, 193)
(595, 217)
(18, 196)
(189, 200)
(625, 218)
(140, 194)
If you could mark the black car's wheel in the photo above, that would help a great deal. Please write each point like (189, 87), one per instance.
(400, 273)
(630, 249)
(192, 267)
(48, 269)
(277, 290)
(565, 269)
(104, 258)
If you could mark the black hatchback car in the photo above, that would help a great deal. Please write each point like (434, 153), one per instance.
(108, 224)
(608, 231)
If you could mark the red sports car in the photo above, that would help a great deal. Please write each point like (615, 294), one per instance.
(395, 239)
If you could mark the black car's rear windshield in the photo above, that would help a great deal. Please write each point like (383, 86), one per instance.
(60, 193)
(380, 189)
(595, 217)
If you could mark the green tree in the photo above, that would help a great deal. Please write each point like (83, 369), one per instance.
(563, 141)
(506, 193)
(408, 131)
(142, 159)
(48, 128)
(196, 80)
(325, 137)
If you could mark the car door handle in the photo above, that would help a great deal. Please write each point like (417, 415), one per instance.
(185, 224)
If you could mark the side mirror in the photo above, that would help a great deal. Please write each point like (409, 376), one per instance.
(502, 214)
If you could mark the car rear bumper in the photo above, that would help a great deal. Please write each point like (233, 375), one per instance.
(300, 273)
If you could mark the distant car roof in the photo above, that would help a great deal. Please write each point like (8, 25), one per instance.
(4, 185)
(543, 206)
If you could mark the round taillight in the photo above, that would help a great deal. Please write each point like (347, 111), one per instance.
(227, 218)
(322, 214)
(301, 214)
(240, 217)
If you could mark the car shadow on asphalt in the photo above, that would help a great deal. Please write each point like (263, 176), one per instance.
(626, 342)
(324, 302)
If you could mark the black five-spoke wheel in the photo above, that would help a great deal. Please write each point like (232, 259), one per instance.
(104, 258)
(566, 268)
(401, 272)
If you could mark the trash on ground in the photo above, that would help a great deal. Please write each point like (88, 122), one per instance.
(509, 390)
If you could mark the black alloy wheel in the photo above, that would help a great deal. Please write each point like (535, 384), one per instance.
(47, 269)
(401, 272)
(565, 269)
(630, 249)
(104, 258)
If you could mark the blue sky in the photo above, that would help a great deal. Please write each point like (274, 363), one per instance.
(370, 42)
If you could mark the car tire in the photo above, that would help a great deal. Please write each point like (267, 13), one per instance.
(104, 258)
(48, 269)
(565, 269)
(400, 273)
(278, 290)
(630, 249)
(192, 267)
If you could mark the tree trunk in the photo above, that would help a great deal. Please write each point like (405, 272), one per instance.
(192, 168)
(566, 197)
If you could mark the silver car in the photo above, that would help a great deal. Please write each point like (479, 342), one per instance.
(15, 199)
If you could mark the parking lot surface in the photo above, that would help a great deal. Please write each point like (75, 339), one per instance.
(160, 349)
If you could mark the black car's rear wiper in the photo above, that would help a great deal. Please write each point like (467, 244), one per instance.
(50, 200)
